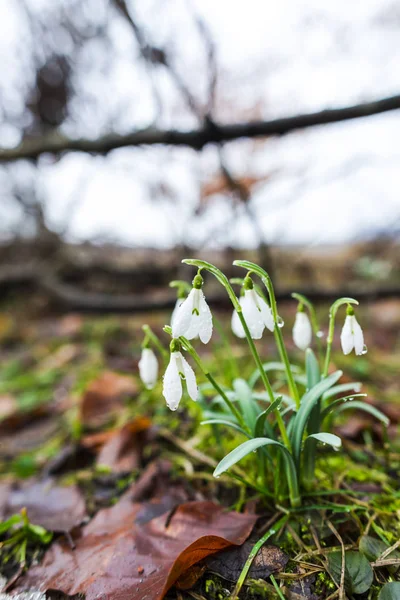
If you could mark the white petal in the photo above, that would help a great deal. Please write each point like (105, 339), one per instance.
(172, 385)
(195, 319)
(236, 324)
(302, 331)
(190, 377)
(174, 312)
(358, 336)
(206, 324)
(346, 337)
(148, 368)
(266, 313)
(252, 314)
(183, 317)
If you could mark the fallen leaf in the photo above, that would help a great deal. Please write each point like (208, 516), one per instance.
(122, 452)
(55, 508)
(104, 396)
(229, 563)
(117, 559)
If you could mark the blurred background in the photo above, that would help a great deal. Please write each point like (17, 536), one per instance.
(94, 202)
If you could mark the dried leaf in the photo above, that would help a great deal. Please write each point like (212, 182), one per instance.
(53, 507)
(122, 452)
(104, 396)
(229, 563)
(116, 559)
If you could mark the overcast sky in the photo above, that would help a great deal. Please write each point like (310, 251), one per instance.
(324, 185)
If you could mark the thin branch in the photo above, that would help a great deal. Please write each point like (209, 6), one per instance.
(57, 143)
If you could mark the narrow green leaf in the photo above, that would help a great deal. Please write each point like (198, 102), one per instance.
(358, 572)
(260, 422)
(342, 387)
(308, 401)
(9, 523)
(390, 591)
(271, 366)
(313, 371)
(241, 451)
(336, 403)
(327, 438)
(248, 406)
(366, 408)
(227, 424)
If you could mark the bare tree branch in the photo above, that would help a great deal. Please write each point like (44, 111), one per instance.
(57, 143)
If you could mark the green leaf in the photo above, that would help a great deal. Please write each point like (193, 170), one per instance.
(336, 403)
(260, 422)
(241, 451)
(373, 548)
(308, 402)
(390, 591)
(366, 408)
(248, 406)
(271, 366)
(327, 438)
(6, 525)
(226, 423)
(313, 371)
(342, 387)
(358, 575)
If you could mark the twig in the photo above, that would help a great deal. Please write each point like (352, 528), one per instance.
(342, 594)
(56, 142)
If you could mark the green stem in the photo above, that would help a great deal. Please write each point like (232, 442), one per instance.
(265, 278)
(276, 586)
(264, 378)
(153, 338)
(242, 577)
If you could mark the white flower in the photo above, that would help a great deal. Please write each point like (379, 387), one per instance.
(193, 318)
(302, 330)
(178, 369)
(148, 368)
(352, 336)
(257, 315)
(175, 311)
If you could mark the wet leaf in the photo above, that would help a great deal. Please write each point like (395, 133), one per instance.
(390, 591)
(117, 559)
(122, 452)
(104, 396)
(53, 507)
(229, 563)
(358, 572)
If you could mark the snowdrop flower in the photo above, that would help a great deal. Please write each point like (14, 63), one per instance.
(193, 317)
(148, 368)
(352, 335)
(302, 330)
(178, 370)
(179, 301)
(256, 312)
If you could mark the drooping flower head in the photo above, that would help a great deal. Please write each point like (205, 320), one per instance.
(178, 370)
(352, 335)
(302, 330)
(193, 316)
(256, 313)
(148, 368)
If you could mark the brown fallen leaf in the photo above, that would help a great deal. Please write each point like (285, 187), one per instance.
(55, 508)
(230, 562)
(104, 396)
(117, 559)
(122, 452)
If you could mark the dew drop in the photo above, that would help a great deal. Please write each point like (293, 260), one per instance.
(280, 322)
(320, 334)
(364, 350)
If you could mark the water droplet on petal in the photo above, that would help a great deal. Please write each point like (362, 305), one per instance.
(280, 322)
(320, 334)
(364, 350)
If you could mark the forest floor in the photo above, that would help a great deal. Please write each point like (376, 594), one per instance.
(106, 493)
